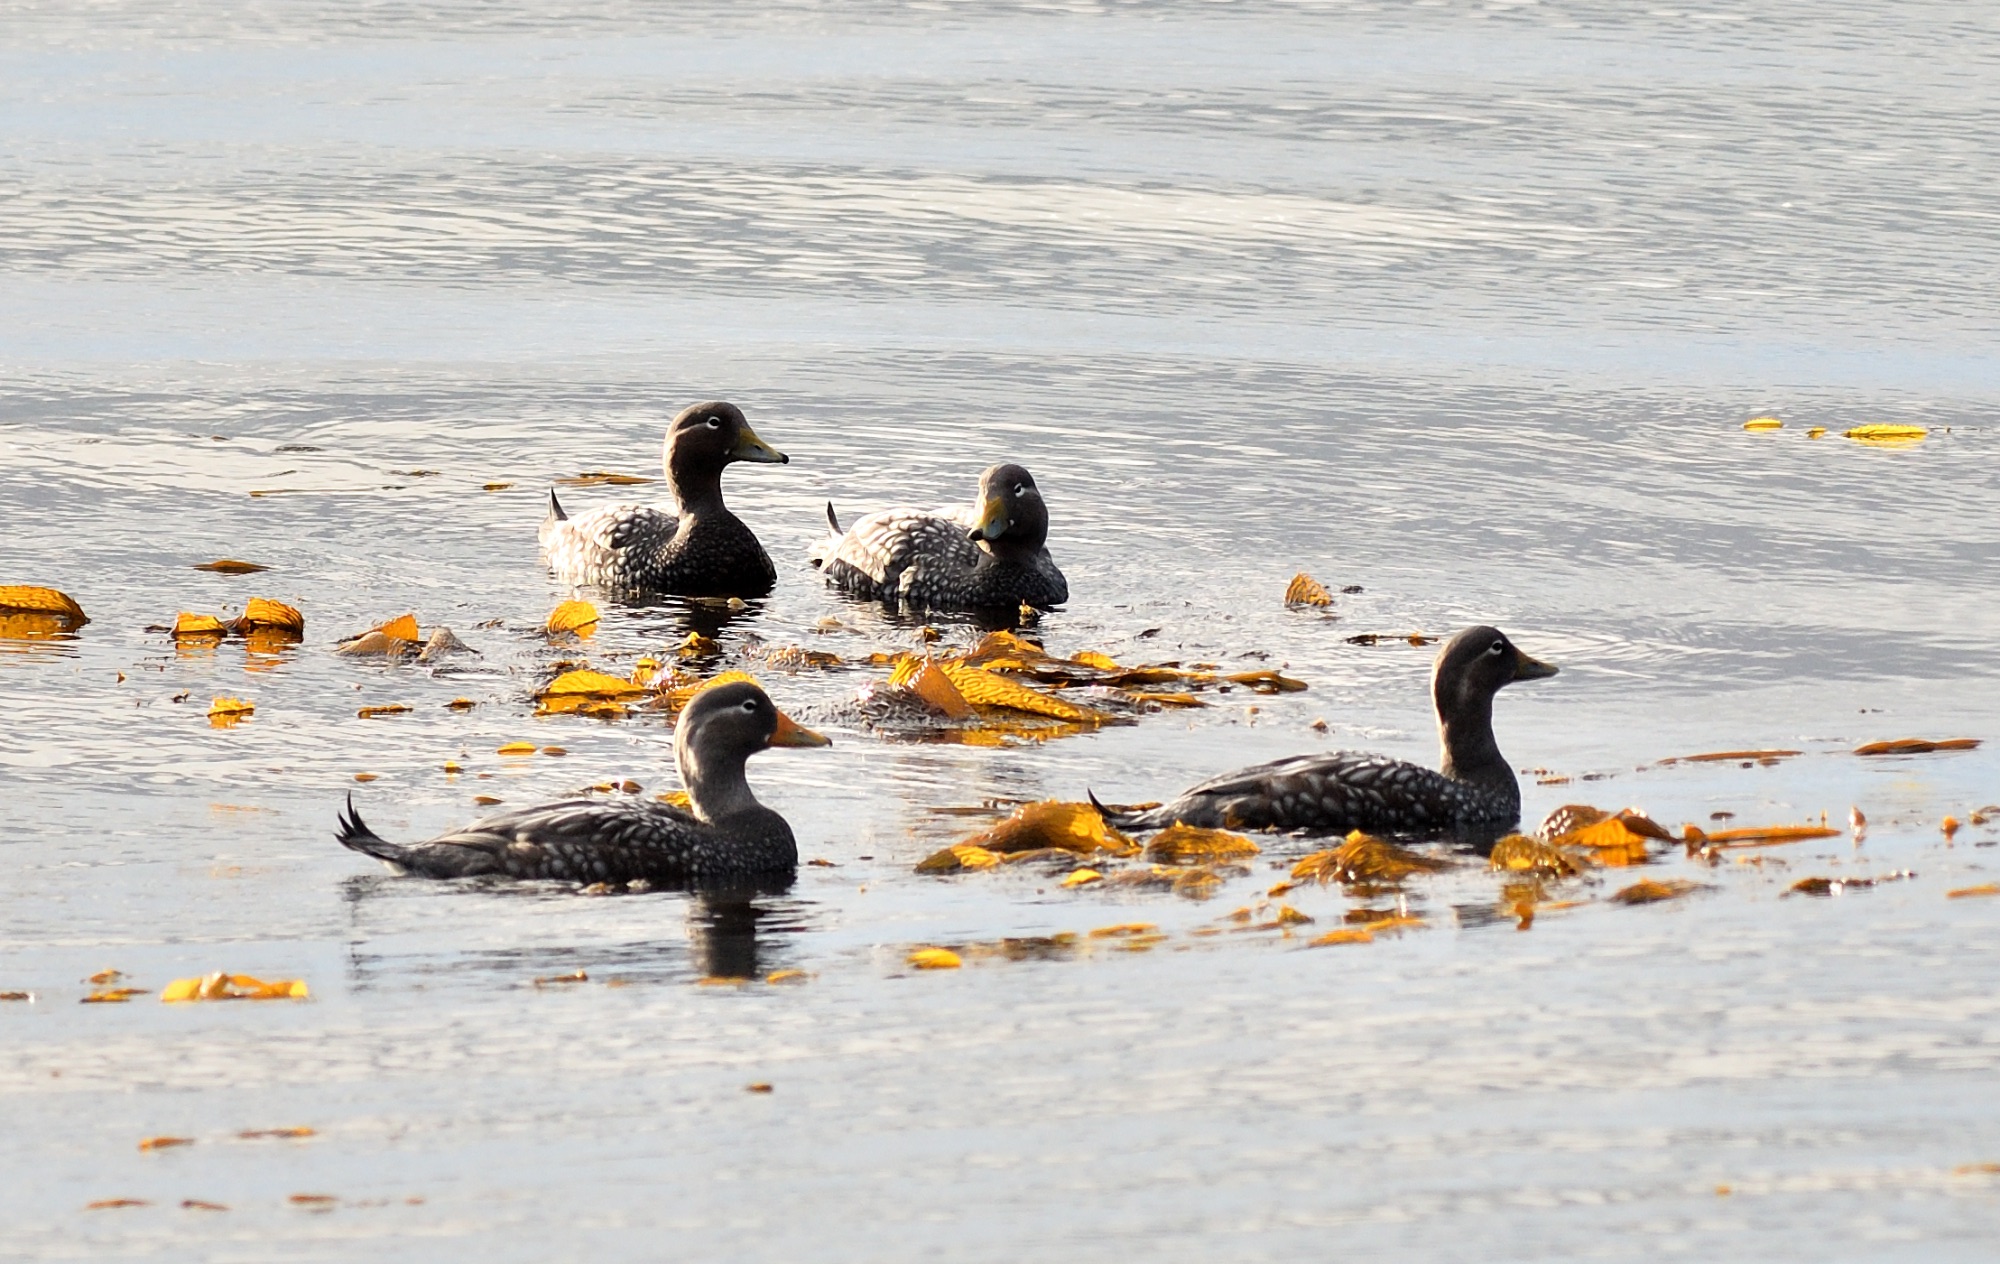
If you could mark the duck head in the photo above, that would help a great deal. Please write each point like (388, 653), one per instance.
(1471, 667)
(718, 732)
(703, 439)
(1011, 512)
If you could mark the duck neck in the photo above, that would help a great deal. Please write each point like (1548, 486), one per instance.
(696, 485)
(718, 788)
(1470, 754)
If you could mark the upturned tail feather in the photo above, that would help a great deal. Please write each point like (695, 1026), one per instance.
(355, 835)
(832, 521)
(1111, 817)
(556, 513)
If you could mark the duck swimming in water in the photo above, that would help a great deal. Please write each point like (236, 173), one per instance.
(1350, 790)
(728, 835)
(701, 551)
(991, 555)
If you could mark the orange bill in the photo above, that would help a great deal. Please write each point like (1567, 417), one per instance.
(791, 733)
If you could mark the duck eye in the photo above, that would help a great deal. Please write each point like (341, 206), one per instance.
(1020, 489)
(715, 423)
(1498, 647)
(750, 704)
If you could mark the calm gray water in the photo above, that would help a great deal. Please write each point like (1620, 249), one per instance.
(1464, 304)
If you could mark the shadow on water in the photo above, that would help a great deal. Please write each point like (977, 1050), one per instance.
(730, 932)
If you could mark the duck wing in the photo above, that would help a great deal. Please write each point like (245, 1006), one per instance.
(1326, 793)
(903, 553)
(618, 546)
(578, 840)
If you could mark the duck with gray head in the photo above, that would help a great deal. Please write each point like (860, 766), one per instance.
(988, 556)
(1350, 790)
(699, 550)
(728, 836)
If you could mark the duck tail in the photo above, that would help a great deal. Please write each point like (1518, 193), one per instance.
(556, 513)
(1112, 818)
(354, 834)
(823, 549)
(832, 522)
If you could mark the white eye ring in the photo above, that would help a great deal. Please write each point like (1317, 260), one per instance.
(1020, 489)
(715, 423)
(749, 704)
(1498, 647)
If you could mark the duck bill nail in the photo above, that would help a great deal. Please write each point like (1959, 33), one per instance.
(992, 520)
(751, 448)
(792, 733)
(1533, 669)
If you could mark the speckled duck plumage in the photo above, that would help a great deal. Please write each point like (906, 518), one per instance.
(988, 556)
(728, 836)
(1349, 790)
(700, 550)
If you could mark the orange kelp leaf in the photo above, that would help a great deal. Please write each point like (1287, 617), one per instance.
(221, 986)
(1082, 877)
(230, 566)
(23, 599)
(224, 712)
(1347, 935)
(1763, 423)
(392, 708)
(1612, 841)
(1091, 658)
(989, 689)
(198, 626)
(1003, 645)
(579, 617)
(1517, 853)
(1304, 590)
(602, 478)
(1181, 844)
(516, 748)
(1365, 858)
(1757, 835)
(922, 678)
(108, 996)
(258, 1134)
(1073, 827)
(376, 642)
(1917, 746)
(590, 684)
(1650, 892)
(1735, 756)
(1885, 433)
(165, 1143)
(402, 628)
(1967, 893)
(1125, 930)
(958, 858)
(106, 1203)
(261, 614)
(1266, 682)
(934, 959)
(1143, 696)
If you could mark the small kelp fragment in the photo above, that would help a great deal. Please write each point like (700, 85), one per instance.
(1125, 930)
(1886, 433)
(1834, 886)
(1763, 423)
(590, 684)
(1145, 697)
(578, 617)
(261, 614)
(1266, 682)
(602, 478)
(442, 643)
(103, 1204)
(1181, 844)
(1520, 853)
(1755, 835)
(1732, 756)
(678, 697)
(1365, 858)
(922, 679)
(1917, 746)
(1615, 841)
(516, 748)
(934, 959)
(990, 689)
(30, 599)
(1084, 877)
(375, 644)
(391, 708)
(222, 986)
(958, 858)
(1649, 891)
(790, 658)
(1345, 935)
(1967, 893)
(198, 627)
(403, 627)
(230, 566)
(1304, 590)
(224, 712)
(696, 645)
(112, 996)
(787, 976)
(1074, 827)
(165, 1143)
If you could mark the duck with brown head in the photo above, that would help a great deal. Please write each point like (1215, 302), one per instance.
(701, 550)
(988, 556)
(728, 836)
(1349, 790)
